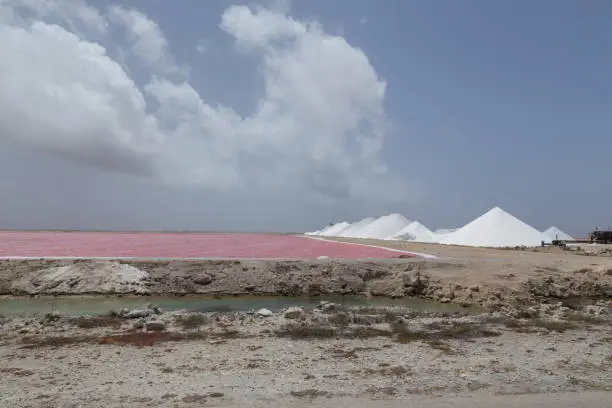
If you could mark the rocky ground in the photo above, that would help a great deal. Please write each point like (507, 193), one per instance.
(147, 358)
(549, 331)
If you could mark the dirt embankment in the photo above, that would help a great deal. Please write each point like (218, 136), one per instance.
(495, 281)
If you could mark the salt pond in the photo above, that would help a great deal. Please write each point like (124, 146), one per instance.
(79, 305)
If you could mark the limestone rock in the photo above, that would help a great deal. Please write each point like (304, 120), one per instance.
(138, 313)
(329, 307)
(264, 312)
(203, 279)
(294, 313)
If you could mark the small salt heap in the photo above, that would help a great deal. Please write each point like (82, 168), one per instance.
(384, 226)
(335, 229)
(554, 233)
(355, 229)
(415, 231)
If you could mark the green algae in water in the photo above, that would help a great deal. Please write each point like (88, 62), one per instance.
(98, 305)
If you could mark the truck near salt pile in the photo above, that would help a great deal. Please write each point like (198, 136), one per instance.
(601, 237)
(595, 237)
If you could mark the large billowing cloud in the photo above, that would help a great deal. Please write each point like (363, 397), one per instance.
(319, 125)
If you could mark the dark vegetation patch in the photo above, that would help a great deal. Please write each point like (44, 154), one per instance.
(33, 342)
(571, 322)
(388, 371)
(18, 372)
(309, 393)
(400, 332)
(191, 321)
(93, 322)
(559, 326)
(134, 338)
(307, 331)
(350, 353)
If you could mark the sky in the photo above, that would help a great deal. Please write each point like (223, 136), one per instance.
(279, 115)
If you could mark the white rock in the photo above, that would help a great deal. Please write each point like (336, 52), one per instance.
(264, 312)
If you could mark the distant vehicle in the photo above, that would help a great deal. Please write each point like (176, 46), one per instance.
(601, 237)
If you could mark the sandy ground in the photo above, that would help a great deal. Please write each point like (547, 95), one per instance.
(561, 400)
(503, 268)
(246, 359)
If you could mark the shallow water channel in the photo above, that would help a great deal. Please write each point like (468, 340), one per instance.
(96, 305)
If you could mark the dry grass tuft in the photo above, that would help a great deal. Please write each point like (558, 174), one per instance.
(94, 322)
(307, 332)
(54, 341)
(309, 393)
(18, 372)
(558, 326)
(191, 321)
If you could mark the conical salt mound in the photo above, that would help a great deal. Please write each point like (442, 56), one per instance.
(335, 229)
(415, 231)
(554, 233)
(496, 228)
(384, 226)
(355, 228)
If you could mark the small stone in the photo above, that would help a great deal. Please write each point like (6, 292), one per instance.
(445, 300)
(594, 310)
(294, 313)
(475, 288)
(397, 293)
(329, 307)
(139, 325)
(52, 317)
(264, 312)
(203, 279)
(138, 314)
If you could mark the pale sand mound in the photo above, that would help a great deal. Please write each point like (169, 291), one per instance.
(84, 277)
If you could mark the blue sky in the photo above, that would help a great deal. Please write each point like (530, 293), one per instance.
(486, 103)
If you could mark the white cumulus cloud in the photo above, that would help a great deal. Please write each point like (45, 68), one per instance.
(319, 125)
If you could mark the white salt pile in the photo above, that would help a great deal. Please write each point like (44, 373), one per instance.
(496, 228)
(415, 231)
(335, 229)
(440, 234)
(554, 233)
(384, 226)
(355, 229)
(443, 231)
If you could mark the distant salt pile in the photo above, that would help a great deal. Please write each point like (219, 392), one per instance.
(554, 233)
(496, 228)
(355, 229)
(415, 231)
(319, 232)
(335, 229)
(384, 226)
(440, 234)
(443, 231)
